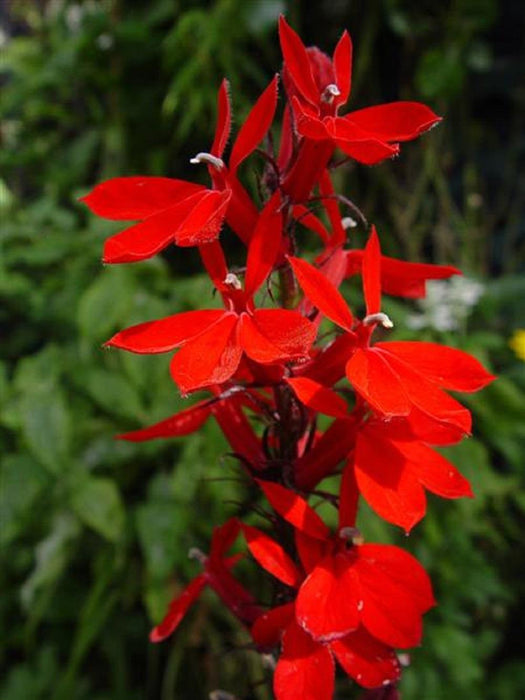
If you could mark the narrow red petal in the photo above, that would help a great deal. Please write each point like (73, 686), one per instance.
(342, 60)
(178, 608)
(166, 333)
(318, 397)
(304, 216)
(322, 293)
(272, 335)
(204, 221)
(214, 261)
(294, 510)
(450, 368)
(395, 121)
(305, 670)
(268, 628)
(372, 274)
(297, 62)
(271, 556)
(255, 127)
(182, 423)
(210, 358)
(222, 130)
(331, 205)
(328, 602)
(434, 471)
(372, 377)
(348, 498)
(368, 661)
(265, 244)
(238, 430)
(137, 197)
(223, 538)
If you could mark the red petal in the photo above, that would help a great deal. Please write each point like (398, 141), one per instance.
(322, 293)
(294, 509)
(203, 223)
(434, 471)
(214, 261)
(265, 244)
(327, 604)
(255, 127)
(297, 62)
(331, 205)
(367, 152)
(310, 550)
(372, 377)
(305, 217)
(237, 429)
(328, 366)
(407, 279)
(439, 432)
(222, 130)
(318, 397)
(222, 539)
(166, 333)
(387, 482)
(271, 335)
(131, 198)
(182, 423)
(448, 367)
(305, 670)
(268, 628)
(348, 498)
(372, 274)
(366, 660)
(233, 594)
(342, 61)
(178, 608)
(271, 556)
(210, 358)
(395, 121)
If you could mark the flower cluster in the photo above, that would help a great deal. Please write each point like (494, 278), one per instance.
(268, 373)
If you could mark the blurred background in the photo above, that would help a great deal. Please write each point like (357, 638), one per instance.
(95, 532)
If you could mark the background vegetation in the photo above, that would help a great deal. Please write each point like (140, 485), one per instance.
(94, 532)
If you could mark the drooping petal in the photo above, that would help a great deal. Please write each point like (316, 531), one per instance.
(372, 274)
(264, 245)
(386, 481)
(434, 471)
(210, 358)
(322, 293)
(328, 602)
(297, 62)
(305, 670)
(273, 335)
(294, 509)
(367, 152)
(372, 377)
(183, 423)
(366, 660)
(222, 130)
(318, 397)
(271, 556)
(394, 121)
(269, 627)
(177, 609)
(166, 333)
(342, 60)
(137, 197)
(448, 367)
(255, 127)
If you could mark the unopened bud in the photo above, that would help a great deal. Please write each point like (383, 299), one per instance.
(209, 159)
(380, 318)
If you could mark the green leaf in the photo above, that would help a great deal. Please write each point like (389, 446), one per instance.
(98, 504)
(105, 303)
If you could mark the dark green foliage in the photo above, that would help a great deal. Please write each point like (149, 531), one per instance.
(94, 532)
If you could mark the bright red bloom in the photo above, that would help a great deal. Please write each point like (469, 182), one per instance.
(213, 341)
(217, 575)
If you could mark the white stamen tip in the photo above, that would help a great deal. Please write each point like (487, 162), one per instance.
(209, 159)
(232, 281)
(196, 554)
(348, 222)
(380, 318)
(330, 92)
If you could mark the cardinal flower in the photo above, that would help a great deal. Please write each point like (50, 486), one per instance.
(397, 376)
(214, 341)
(317, 87)
(217, 575)
(355, 601)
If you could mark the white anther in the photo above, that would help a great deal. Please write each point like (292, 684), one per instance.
(329, 93)
(208, 158)
(232, 281)
(347, 222)
(380, 318)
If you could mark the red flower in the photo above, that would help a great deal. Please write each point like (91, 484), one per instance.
(217, 575)
(213, 341)
(394, 377)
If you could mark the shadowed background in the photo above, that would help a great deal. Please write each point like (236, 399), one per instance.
(94, 532)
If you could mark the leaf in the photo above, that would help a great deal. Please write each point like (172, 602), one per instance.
(98, 504)
(105, 303)
(46, 425)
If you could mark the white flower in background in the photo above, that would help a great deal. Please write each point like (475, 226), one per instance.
(447, 305)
